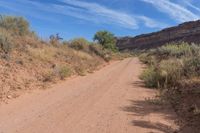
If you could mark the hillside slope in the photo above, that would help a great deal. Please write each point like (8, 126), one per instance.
(28, 62)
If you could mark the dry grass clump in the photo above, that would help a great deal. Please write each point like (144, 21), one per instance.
(58, 72)
(192, 66)
(165, 74)
(174, 50)
(171, 71)
(6, 39)
(79, 44)
(147, 58)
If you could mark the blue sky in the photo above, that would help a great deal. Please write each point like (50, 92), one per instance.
(82, 18)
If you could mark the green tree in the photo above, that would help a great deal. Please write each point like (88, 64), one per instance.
(106, 39)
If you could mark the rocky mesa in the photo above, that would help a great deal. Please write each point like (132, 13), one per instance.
(187, 32)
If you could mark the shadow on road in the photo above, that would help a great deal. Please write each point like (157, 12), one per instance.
(139, 84)
(144, 109)
(158, 126)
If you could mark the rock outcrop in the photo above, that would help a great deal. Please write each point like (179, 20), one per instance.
(187, 32)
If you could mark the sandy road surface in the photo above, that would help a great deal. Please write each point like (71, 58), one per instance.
(110, 100)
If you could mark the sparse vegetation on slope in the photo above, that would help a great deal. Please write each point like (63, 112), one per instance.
(5, 41)
(27, 62)
(175, 70)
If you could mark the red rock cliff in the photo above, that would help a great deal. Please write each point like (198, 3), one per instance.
(188, 32)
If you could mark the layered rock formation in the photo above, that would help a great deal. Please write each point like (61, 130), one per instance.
(187, 32)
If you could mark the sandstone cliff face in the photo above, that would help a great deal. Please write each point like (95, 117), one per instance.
(188, 32)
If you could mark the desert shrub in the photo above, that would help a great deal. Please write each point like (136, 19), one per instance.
(146, 58)
(174, 50)
(150, 77)
(5, 41)
(166, 74)
(17, 25)
(64, 72)
(107, 57)
(170, 71)
(82, 44)
(80, 70)
(195, 49)
(79, 44)
(173, 62)
(192, 66)
(58, 72)
(99, 51)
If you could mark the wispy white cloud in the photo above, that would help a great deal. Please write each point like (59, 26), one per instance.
(21, 8)
(97, 13)
(174, 10)
(152, 23)
(102, 14)
(87, 11)
(189, 3)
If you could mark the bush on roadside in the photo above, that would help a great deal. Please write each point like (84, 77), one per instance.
(60, 72)
(146, 58)
(96, 49)
(192, 66)
(170, 71)
(165, 74)
(64, 72)
(176, 50)
(80, 71)
(150, 77)
(173, 62)
(99, 51)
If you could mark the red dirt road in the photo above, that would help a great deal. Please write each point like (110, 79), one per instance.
(110, 100)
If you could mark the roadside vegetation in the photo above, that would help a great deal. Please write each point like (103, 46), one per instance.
(28, 62)
(174, 69)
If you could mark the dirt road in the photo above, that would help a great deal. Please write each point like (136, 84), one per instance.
(110, 100)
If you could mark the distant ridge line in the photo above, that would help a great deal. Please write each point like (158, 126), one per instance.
(187, 32)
